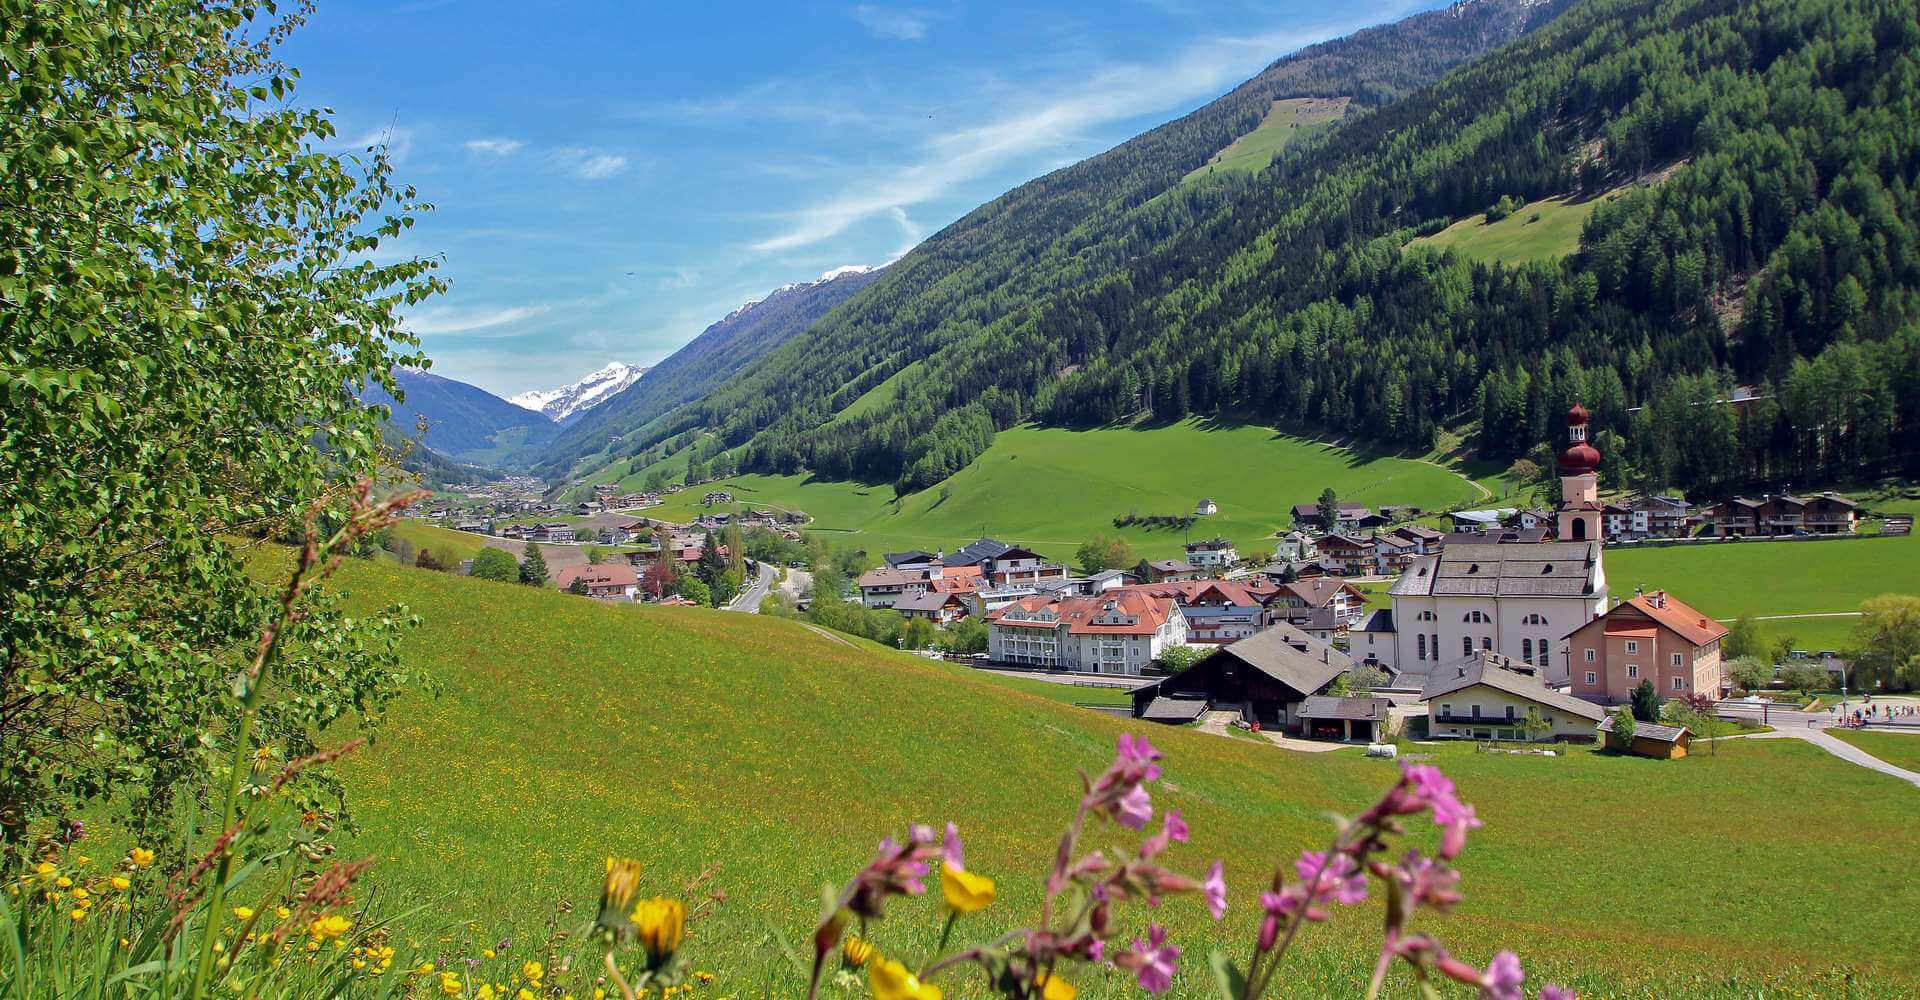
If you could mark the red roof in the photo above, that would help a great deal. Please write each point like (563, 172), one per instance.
(598, 575)
(1082, 614)
(1663, 609)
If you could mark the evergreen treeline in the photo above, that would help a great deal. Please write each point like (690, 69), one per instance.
(1765, 237)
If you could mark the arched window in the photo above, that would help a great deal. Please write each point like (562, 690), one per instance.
(1526, 651)
(1466, 645)
(1428, 616)
(1423, 646)
(1476, 618)
(1534, 620)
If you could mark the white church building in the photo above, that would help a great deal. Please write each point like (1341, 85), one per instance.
(1515, 599)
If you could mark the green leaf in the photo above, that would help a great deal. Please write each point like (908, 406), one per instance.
(1227, 979)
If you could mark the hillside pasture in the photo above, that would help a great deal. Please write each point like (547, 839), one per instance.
(1288, 121)
(756, 759)
(1542, 230)
(1052, 488)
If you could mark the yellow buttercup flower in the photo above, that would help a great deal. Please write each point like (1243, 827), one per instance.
(533, 971)
(856, 951)
(486, 953)
(140, 856)
(661, 923)
(450, 984)
(120, 882)
(330, 926)
(243, 913)
(965, 891)
(1055, 988)
(892, 981)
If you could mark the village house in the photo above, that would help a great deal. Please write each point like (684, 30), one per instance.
(1350, 555)
(1784, 514)
(1487, 696)
(1653, 638)
(551, 532)
(1206, 507)
(1373, 641)
(588, 507)
(1425, 540)
(1118, 633)
(1293, 546)
(1342, 600)
(1002, 564)
(606, 581)
(1163, 570)
(883, 588)
(717, 497)
(1348, 516)
(1481, 520)
(1263, 677)
(1348, 720)
(1214, 553)
(939, 607)
(1216, 611)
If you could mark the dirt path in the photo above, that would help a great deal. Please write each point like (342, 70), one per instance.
(1485, 494)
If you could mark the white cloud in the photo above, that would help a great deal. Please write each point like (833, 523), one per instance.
(590, 164)
(496, 147)
(442, 320)
(898, 23)
(1064, 116)
(397, 141)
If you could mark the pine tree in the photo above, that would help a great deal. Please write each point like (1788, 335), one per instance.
(533, 566)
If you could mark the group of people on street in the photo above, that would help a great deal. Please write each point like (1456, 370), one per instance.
(1895, 713)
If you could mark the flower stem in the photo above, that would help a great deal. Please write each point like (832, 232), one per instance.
(613, 972)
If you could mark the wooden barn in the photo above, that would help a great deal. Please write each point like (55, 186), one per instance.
(1264, 677)
(1651, 740)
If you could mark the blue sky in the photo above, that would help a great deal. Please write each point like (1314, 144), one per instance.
(610, 178)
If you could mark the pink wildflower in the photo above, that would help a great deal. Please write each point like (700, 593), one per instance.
(1503, 978)
(950, 850)
(1337, 878)
(896, 869)
(1428, 882)
(1152, 962)
(1215, 890)
(1134, 808)
(1174, 830)
(1558, 993)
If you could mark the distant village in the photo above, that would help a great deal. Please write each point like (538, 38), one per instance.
(1502, 625)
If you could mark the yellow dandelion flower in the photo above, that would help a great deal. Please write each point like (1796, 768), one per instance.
(79, 913)
(243, 913)
(616, 897)
(1055, 988)
(140, 856)
(486, 953)
(63, 882)
(121, 882)
(533, 971)
(282, 912)
(83, 860)
(662, 923)
(855, 950)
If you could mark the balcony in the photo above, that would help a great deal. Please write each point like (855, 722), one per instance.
(1475, 720)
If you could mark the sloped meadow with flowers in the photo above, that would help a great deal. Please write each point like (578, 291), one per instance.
(761, 811)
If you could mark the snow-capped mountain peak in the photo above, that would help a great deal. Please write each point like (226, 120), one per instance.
(791, 286)
(568, 401)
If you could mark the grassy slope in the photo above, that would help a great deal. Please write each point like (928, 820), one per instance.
(1898, 749)
(1515, 239)
(1288, 121)
(1052, 488)
(877, 396)
(569, 730)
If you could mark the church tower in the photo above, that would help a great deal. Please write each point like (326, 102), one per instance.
(1580, 508)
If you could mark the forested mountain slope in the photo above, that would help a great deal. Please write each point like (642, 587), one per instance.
(1044, 236)
(464, 422)
(1766, 235)
(740, 338)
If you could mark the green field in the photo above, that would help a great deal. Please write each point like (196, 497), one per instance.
(1052, 488)
(1898, 749)
(1776, 578)
(756, 759)
(1288, 121)
(1539, 231)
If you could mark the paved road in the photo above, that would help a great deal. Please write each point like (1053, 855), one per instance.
(1841, 749)
(748, 599)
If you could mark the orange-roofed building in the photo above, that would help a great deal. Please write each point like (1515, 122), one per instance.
(1656, 638)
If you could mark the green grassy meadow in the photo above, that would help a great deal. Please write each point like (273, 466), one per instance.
(1520, 238)
(754, 759)
(1898, 749)
(1288, 121)
(1776, 578)
(876, 397)
(1052, 488)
